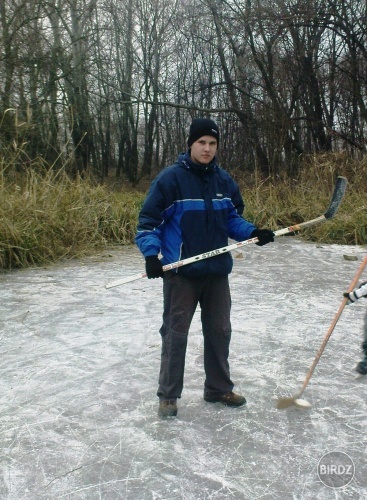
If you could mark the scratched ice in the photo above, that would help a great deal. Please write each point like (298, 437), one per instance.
(79, 367)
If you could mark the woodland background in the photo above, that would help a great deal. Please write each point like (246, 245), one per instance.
(96, 97)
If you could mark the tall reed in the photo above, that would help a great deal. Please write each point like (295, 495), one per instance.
(285, 201)
(46, 216)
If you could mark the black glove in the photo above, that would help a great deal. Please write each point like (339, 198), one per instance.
(263, 235)
(357, 293)
(153, 267)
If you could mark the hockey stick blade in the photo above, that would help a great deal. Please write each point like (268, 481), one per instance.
(296, 401)
(336, 199)
(339, 191)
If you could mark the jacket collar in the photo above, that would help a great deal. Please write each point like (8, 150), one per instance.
(198, 169)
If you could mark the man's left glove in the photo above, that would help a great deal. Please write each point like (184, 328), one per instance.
(153, 267)
(263, 235)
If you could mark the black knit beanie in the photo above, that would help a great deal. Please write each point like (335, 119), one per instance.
(200, 127)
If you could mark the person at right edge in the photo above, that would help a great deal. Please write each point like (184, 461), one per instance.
(193, 207)
(354, 295)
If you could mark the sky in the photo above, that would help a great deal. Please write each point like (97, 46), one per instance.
(79, 373)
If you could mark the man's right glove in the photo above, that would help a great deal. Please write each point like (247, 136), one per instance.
(263, 235)
(153, 267)
(357, 293)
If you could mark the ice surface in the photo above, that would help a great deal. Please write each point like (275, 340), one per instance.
(79, 369)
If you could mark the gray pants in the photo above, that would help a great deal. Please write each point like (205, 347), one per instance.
(181, 296)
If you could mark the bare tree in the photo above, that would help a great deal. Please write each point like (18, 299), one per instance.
(115, 83)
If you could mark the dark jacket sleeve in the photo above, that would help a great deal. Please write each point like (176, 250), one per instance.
(148, 237)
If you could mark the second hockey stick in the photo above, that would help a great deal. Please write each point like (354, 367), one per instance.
(283, 403)
(339, 190)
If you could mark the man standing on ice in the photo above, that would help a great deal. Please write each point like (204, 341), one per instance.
(193, 207)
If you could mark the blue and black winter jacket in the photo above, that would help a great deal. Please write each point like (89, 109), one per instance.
(191, 209)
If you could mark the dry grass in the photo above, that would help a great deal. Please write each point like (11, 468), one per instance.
(289, 201)
(45, 216)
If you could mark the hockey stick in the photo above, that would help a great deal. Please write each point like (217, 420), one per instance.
(302, 403)
(339, 190)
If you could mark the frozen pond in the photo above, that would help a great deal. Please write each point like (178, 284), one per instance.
(79, 370)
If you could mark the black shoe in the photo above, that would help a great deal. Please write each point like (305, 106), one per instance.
(227, 398)
(362, 367)
(167, 408)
